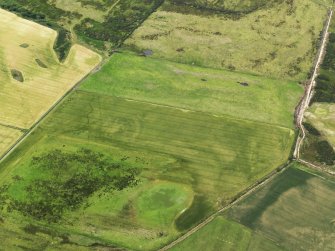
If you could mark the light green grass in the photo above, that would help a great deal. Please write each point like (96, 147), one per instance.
(214, 156)
(196, 88)
(296, 210)
(322, 117)
(279, 41)
(159, 205)
(223, 234)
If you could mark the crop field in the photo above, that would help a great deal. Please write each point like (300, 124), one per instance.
(7, 137)
(295, 211)
(196, 88)
(277, 39)
(31, 77)
(189, 162)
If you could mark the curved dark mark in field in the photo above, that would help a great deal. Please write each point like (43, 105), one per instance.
(24, 45)
(277, 188)
(17, 75)
(40, 63)
(193, 215)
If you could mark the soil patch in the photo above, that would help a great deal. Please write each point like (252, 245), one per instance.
(40, 63)
(17, 75)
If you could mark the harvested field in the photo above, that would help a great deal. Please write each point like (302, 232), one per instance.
(28, 87)
(278, 40)
(8, 137)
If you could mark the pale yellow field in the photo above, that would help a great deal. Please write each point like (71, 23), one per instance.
(322, 117)
(278, 42)
(22, 104)
(8, 136)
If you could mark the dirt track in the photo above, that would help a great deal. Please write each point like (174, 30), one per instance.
(306, 99)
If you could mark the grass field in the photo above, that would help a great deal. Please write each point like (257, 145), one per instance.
(223, 234)
(295, 211)
(278, 41)
(170, 145)
(196, 88)
(45, 80)
(7, 137)
(321, 116)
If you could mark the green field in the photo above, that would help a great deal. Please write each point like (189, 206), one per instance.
(195, 88)
(148, 147)
(278, 40)
(294, 211)
(223, 234)
(170, 146)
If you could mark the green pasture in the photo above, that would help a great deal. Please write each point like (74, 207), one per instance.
(189, 161)
(223, 234)
(296, 210)
(196, 88)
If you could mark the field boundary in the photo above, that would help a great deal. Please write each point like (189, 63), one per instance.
(227, 116)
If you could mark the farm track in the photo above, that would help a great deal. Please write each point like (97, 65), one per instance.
(306, 99)
(299, 114)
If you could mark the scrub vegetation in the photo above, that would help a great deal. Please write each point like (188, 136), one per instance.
(102, 24)
(279, 39)
(320, 141)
